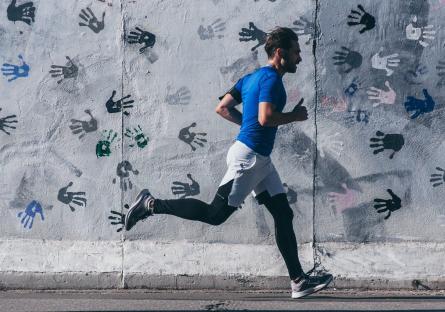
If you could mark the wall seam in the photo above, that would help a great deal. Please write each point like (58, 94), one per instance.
(122, 41)
(314, 48)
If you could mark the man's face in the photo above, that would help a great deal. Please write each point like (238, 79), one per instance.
(291, 58)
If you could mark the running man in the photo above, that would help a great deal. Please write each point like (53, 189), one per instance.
(250, 168)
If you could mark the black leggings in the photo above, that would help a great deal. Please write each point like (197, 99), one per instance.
(219, 211)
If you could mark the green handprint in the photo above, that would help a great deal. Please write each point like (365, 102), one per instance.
(103, 146)
(138, 136)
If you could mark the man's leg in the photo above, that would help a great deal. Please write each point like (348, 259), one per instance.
(214, 213)
(282, 213)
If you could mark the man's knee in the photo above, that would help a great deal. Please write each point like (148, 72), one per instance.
(220, 210)
(278, 205)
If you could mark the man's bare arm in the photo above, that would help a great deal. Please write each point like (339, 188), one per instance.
(268, 117)
(226, 109)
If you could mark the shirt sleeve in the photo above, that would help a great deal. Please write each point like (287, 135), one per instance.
(269, 87)
(235, 91)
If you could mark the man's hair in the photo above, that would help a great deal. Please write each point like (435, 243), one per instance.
(280, 37)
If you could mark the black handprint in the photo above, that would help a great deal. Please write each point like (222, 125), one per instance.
(441, 73)
(186, 189)
(118, 218)
(6, 121)
(303, 27)
(419, 106)
(190, 137)
(361, 18)
(123, 172)
(181, 97)
(390, 205)
(143, 37)
(116, 107)
(348, 57)
(387, 141)
(438, 178)
(253, 33)
(23, 13)
(68, 71)
(360, 116)
(83, 127)
(92, 21)
(67, 198)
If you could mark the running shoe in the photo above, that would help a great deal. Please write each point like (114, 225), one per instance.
(306, 285)
(139, 210)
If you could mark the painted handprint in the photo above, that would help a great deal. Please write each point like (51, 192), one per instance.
(389, 205)
(251, 34)
(123, 172)
(189, 137)
(141, 36)
(33, 208)
(71, 198)
(347, 59)
(421, 34)
(419, 106)
(304, 27)
(438, 178)
(338, 104)
(103, 147)
(345, 200)
(417, 76)
(181, 97)
(23, 13)
(91, 21)
(16, 71)
(362, 18)
(330, 144)
(441, 73)
(137, 135)
(354, 86)
(70, 70)
(358, 116)
(83, 127)
(393, 141)
(241, 66)
(292, 196)
(213, 30)
(116, 107)
(379, 96)
(6, 122)
(385, 62)
(118, 218)
(185, 189)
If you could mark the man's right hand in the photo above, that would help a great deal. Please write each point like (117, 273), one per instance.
(300, 111)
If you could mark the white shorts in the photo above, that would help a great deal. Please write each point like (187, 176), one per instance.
(250, 172)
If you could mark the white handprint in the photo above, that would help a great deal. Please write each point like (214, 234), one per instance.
(380, 96)
(384, 62)
(330, 144)
(419, 33)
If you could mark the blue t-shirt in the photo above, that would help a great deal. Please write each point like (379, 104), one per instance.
(263, 85)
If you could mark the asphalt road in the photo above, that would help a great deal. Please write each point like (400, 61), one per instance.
(147, 300)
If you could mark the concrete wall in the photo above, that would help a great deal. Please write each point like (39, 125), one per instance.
(72, 159)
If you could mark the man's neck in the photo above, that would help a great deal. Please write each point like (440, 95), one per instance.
(277, 67)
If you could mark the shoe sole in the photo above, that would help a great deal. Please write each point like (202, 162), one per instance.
(311, 290)
(136, 203)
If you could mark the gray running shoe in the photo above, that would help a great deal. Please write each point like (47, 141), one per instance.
(307, 285)
(139, 209)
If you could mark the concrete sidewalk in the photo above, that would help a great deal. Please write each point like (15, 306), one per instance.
(145, 300)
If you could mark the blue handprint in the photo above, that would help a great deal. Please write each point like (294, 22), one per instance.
(29, 214)
(420, 106)
(15, 71)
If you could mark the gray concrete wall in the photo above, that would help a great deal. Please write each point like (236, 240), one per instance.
(71, 159)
